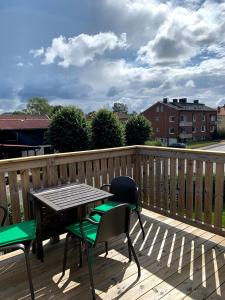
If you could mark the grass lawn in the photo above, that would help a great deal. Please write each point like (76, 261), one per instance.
(199, 144)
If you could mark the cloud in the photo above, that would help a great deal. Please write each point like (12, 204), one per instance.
(37, 52)
(79, 50)
(20, 64)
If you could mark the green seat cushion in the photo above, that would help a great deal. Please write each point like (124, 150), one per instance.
(110, 204)
(89, 230)
(17, 233)
(95, 217)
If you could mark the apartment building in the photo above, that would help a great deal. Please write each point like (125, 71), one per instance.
(180, 120)
(221, 118)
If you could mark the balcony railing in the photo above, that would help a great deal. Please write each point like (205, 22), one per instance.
(185, 184)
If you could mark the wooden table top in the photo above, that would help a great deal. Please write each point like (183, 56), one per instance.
(69, 196)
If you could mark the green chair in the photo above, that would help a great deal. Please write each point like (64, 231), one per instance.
(124, 190)
(18, 236)
(114, 222)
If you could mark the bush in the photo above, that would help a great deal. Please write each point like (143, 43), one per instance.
(69, 130)
(107, 131)
(138, 130)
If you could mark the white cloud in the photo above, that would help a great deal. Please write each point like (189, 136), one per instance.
(190, 84)
(37, 52)
(20, 64)
(79, 50)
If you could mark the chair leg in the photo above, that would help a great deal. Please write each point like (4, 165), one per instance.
(65, 254)
(142, 228)
(134, 254)
(26, 253)
(106, 248)
(90, 272)
(80, 253)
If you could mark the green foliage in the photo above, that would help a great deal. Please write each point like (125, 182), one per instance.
(55, 109)
(69, 130)
(38, 106)
(138, 130)
(107, 131)
(120, 107)
(156, 143)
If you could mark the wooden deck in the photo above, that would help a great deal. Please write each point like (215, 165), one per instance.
(178, 261)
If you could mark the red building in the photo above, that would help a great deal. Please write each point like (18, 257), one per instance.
(179, 120)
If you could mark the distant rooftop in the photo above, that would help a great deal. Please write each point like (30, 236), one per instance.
(23, 122)
(183, 104)
(221, 110)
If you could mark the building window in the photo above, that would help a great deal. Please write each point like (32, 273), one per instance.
(203, 117)
(157, 108)
(157, 130)
(193, 118)
(212, 118)
(212, 128)
(161, 108)
(171, 130)
(157, 118)
(182, 118)
(203, 128)
(194, 129)
(171, 119)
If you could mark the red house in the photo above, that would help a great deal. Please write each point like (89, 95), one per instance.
(180, 121)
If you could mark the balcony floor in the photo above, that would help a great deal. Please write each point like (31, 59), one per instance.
(178, 261)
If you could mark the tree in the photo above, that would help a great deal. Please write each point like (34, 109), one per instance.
(107, 131)
(55, 108)
(120, 107)
(138, 130)
(69, 130)
(38, 106)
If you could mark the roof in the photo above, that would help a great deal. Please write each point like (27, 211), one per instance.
(189, 106)
(20, 122)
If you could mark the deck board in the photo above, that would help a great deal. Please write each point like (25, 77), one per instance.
(177, 261)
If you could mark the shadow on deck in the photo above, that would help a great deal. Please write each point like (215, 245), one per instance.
(178, 261)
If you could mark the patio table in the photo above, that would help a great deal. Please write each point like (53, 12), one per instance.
(57, 207)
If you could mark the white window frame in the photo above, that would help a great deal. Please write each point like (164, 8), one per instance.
(212, 118)
(212, 128)
(195, 129)
(193, 118)
(203, 126)
(170, 130)
(203, 117)
(171, 119)
(157, 129)
(161, 108)
(157, 108)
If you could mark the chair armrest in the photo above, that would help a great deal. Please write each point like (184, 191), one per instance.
(5, 212)
(104, 185)
(81, 227)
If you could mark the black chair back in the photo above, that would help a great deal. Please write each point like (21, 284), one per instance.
(125, 190)
(3, 215)
(114, 222)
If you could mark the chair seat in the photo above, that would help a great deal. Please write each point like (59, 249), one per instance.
(17, 233)
(110, 204)
(95, 217)
(89, 230)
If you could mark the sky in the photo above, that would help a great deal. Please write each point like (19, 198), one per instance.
(93, 53)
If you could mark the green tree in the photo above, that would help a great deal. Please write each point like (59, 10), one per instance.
(69, 130)
(138, 130)
(120, 107)
(55, 108)
(38, 106)
(107, 131)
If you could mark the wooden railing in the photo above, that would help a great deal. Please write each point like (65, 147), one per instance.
(185, 184)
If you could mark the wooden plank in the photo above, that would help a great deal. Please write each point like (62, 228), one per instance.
(104, 171)
(198, 190)
(145, 181)
(158, 182)
(14, 197)
(173, 186)
(44, 177)
(72, 172)
(111, 169)
(208, 192)
(165, 184)
(3, 196)
(123, 166)
(63, 174)
(129, 166)
(189, 190)
(81, 172)
(89, 172)
(36, 178)
(151, 181)
(117, 166)
(25, 185)
(181, 187)
(219, 186)
(97, 173)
